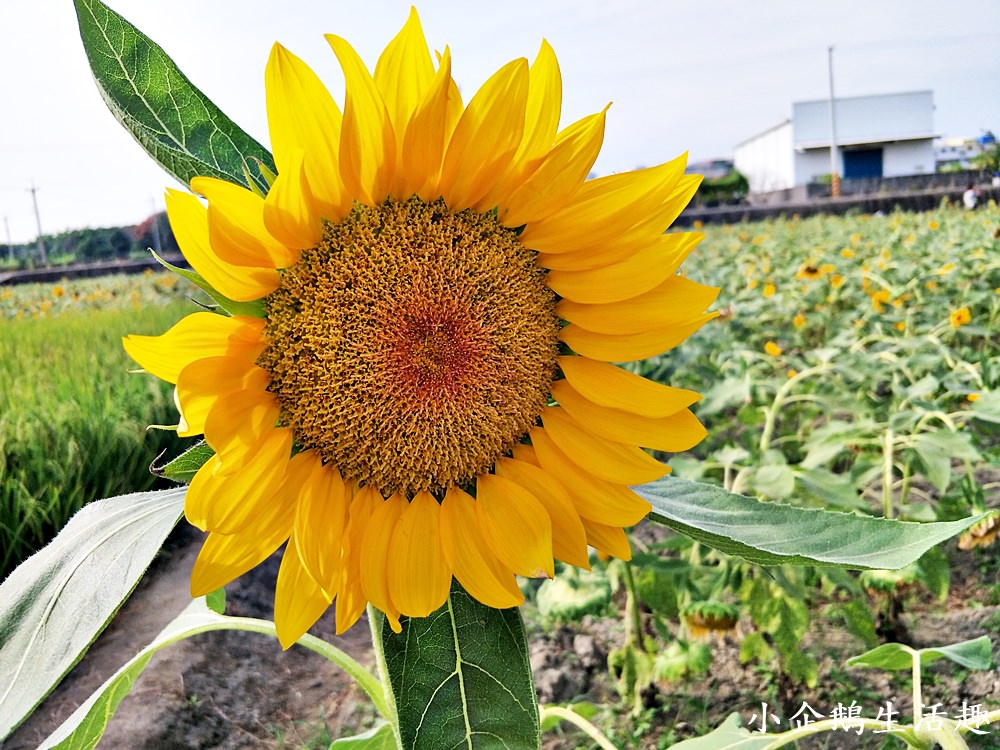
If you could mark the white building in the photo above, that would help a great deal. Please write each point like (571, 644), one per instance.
(889, 135)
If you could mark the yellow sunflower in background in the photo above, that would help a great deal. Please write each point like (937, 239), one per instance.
(430, 391)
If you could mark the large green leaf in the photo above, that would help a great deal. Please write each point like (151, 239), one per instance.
(974, 654)
(773, 534)
(59, 599)
(461, 678)
(84, 728)
(171, 119)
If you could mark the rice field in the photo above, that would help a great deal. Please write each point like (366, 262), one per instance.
(72, 419)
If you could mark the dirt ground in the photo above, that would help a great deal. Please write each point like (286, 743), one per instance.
(234, 690)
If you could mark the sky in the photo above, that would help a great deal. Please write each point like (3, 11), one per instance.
(697, 76)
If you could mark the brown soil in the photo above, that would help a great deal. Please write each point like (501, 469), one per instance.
(233, 690)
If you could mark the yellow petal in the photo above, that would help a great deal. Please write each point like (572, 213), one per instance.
(196, 336)
(604, 208)
(189, 222)
(228, 502)
(637, 274)
(559, 176)
(427, 135)
(595, 499)
(236, 227)
(468, 554)
(543, 107)
(541, 121)
(486, 138)
(626, 348)
(367, 141)
(238, 420)
(516, 526)
(298, 600)
(569, 542)
(671, 303)
(419, 576)
(319, 524)
(351, 601)
(303, 118)
(678, 432)
(404, 73)
(375, 557)
(291, 214)
(611, 540)
(611, 386)
(612, 462)
(200, 384)
(225, 557)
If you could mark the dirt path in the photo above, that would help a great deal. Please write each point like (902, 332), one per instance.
(223, 690)
(234, 690)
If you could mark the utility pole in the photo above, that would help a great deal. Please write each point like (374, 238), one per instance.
(834, 166)
(43, 256)
(10, 245)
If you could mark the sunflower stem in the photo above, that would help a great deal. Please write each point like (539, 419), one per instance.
(387, 707)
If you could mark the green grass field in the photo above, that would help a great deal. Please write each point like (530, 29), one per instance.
(72, 419)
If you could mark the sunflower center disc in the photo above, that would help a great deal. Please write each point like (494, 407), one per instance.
(413, 346)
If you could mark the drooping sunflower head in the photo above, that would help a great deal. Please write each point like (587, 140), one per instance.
(413, 378)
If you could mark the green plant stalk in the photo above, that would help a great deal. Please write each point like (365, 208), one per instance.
(387, 701)
(780, 397)
(633, 630)
(906, 734)
(574, 718)
(918, 696)
(904, 487)
(887, 459)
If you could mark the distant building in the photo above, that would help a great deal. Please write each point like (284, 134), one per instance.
(961, 153)
(889, 135)
(711, 169)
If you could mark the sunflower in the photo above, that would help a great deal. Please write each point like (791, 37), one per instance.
(960, 317)
(424, 387)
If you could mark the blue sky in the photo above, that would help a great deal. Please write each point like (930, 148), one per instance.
(695, 76)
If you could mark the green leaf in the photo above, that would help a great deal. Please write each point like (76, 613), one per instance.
(171, 119)
(974, 654)
(185, 466)
(461, 678)
(216, 601)
(573, 594)
(937, 449)
(379, 737)
(987, 407)
(773, 534)
(58, 600)
(730, 735)
(776, 480)
(253, 308)
(84, 728)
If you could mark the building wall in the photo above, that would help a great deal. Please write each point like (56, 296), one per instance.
(908, 157)
(767, 161)
(812, 164)
(865, 119)
(898, 160)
